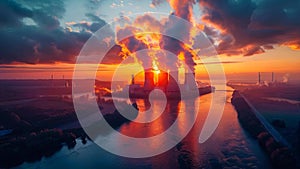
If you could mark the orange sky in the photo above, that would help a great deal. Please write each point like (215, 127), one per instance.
(281, 60)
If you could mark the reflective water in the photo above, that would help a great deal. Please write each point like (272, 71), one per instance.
(229, 147)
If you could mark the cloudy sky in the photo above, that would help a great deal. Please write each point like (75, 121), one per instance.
(39, 38)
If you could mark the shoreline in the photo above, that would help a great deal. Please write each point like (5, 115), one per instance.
(32, 144)
(280, 155)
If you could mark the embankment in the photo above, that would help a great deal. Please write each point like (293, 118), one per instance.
(280, 155)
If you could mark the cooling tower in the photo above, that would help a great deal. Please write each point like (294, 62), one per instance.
(190, 81)
(173, 82)
(163, 79)
(149, 80)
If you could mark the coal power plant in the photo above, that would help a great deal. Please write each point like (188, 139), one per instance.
(168, 82)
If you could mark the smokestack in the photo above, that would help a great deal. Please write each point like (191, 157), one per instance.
(259, 78)
(149, 80)
(132, 79)
(52, 78)
(272, 76)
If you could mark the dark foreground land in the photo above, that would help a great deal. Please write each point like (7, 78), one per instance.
(34, 132)
(37, 118)
(279, 105)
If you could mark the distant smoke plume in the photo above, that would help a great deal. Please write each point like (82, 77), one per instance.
(285, 78)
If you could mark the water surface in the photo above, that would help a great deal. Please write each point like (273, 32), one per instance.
(230, 146)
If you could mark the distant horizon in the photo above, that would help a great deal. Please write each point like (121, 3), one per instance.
(251, 77)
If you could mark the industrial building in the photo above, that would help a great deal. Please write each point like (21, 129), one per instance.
(168, 82)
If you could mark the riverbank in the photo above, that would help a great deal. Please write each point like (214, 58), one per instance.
(280, 155)
(47, 120)
(17, 148)
(229, 147)
(41, 128)
(30, 147)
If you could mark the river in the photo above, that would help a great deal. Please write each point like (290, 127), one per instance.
(229, 147)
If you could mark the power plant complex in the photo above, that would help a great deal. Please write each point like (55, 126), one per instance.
(168, 82)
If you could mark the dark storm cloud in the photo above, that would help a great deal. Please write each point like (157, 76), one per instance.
(250, 26)
(50, 7)
(31, 33)
(46, 21)
(96, 24)
(46, 13)
(11, 13)
(33, 44)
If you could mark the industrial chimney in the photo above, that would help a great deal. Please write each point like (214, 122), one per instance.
(132, 80)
